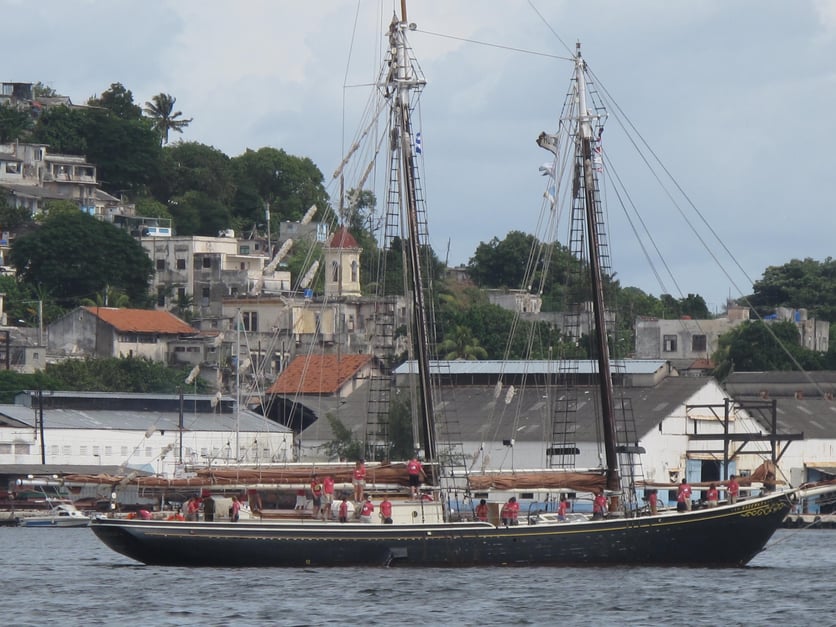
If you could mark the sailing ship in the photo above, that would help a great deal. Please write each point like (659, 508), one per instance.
(730, 534)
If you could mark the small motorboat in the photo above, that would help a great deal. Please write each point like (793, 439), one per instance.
(61, 515)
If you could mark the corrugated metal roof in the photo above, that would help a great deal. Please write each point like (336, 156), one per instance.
(247, 421)
(532, 366)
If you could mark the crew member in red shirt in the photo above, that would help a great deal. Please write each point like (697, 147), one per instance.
(711, 496)
(733, 490)
(359, 479)
(510, 512)
(562, 507)
(344, 510)
(416, 472)
(327, 496)
(683, 497)
(367, 510)
(599, 506)
(386, 511)
(482, 511)
(653, 501)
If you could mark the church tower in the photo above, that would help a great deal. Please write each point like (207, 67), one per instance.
(342, 265)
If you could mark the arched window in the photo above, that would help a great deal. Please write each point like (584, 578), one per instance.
(354, 271)
(335, 271)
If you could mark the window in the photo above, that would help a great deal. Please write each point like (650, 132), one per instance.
(244, 250)
(181, 294)
(124, 451)
(22, 448)
(53, 450)
(335, 271)
(207, 262)
(161, 299)
(82, 450)
(160, 265)
(66, 450)
(250, 320)
(149, 452)
(5, 448)
(108, 450)
(698, 343)
(204, 298)
(12, 167)
(669, 344)
(181, 264)
(354, 272)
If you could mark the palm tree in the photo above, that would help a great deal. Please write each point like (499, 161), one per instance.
(460, 344)
(161, 109)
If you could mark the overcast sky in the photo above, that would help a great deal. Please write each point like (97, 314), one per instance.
(736, 97)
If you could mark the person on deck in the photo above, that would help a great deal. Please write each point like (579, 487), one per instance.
(316, 491)
(192, 508)
(562, 507)
(327, 496)
(209, 509)
(235, 509)
(359, 479)
(683, 497)
(386, 511)
(510, 512)
(653, 501)
(416, 474)
(599, 505)
(482, 511)
(711, 496)
(367, 510)
(733, 490)
(344, 510)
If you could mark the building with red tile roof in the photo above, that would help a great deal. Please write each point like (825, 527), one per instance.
(328, 375)
(115, 332)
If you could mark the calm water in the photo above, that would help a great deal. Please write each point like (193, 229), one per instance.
(67, 577)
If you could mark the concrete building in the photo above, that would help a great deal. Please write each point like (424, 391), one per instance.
(158, 433)
(685, 341)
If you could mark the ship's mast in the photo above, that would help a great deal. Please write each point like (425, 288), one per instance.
(405, 82)
(590, 188)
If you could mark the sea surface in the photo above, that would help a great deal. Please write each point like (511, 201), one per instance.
(67, 577)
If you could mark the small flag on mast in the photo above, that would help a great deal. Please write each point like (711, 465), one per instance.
(418, 148)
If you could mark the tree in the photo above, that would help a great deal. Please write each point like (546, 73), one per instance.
(119, 101)
(161, 110)
(75, 256)
(196, 213)
(758, 346)
(799, 283)
(343, 445)
(460, 344)
(190, 166)
(501, 263)
(290, 184)
(11, 216)
(14, 123)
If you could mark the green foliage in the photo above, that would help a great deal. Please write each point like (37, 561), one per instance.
(126, 374)
(12, 217)
(161, 110)
(14, 123)
(197, 213)
(75, 256)
(401, 436)
(501, 263)
(460, 344)
(129, 374)
(343, 445)
(149, 207)
(290, 184)
(189, 166)
(119, 101)
(804, 283)
(758, 346)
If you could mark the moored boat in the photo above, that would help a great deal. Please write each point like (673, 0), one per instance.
(60, 515)
(729, 534)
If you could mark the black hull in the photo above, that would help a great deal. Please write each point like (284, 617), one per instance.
(723, 536)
